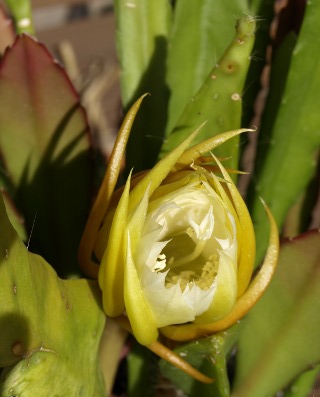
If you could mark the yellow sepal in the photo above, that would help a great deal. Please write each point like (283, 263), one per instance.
(168, 355)
(159, 172)
(247, 244)
(106, 190)
(204, 147)
(111, 271)
(137, 219)
(141, 319)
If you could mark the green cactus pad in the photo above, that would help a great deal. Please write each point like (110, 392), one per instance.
(49, 328)
(218, 101)
(280, 337)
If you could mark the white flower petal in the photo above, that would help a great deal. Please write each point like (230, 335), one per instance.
(224, 243)
(167, 304)
(205, 228)
(171, 305)
(198, 299)
(226, 291)
(155, 254)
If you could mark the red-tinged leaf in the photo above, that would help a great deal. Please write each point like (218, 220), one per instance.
(280, 337)
(45, 146)
(7, 34)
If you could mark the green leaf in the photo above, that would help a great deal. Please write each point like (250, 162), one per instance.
(45, 146)
(50, 329)
(279, 72)
(21, 12)
(142, 30)
(218, 101)
(289, 153)
(208, 355)
(280, 337)
(201, 31)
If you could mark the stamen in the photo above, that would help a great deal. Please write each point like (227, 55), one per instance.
(184, 278)
(160, 263)
(208, 274)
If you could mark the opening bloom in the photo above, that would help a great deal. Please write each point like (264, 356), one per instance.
(186, 257)
(176, 245)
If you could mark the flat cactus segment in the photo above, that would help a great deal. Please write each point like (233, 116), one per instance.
(290, 149)
(140, 25)
(45, 373)
(288, 343)
(218, 101)
(142, 30)
(264, 11)
(45, 147)
(201, 31)
(48, 327)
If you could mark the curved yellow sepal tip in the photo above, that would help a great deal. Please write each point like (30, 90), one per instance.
(160, 171)
(171, 357)
(196, 151)
(111, 271)
(244, 303)
(247, 236)
(106, 190)
(141, 318)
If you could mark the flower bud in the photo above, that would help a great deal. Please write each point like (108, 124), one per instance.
(176, 247)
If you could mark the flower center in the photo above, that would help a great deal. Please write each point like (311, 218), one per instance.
(184, 256)
(188, 241)
(185, 277)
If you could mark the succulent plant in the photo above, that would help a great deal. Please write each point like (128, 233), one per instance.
(56, 332)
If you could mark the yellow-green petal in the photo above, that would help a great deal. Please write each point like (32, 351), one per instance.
(225, 294)
(169, 186)
(111, 271)
(106, 190)
(142, 322)
(137, 219)
(247, 245)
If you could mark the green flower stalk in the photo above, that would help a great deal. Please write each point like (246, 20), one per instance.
(176, 245)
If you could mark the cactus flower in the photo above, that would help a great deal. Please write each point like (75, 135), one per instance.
(176, 245)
